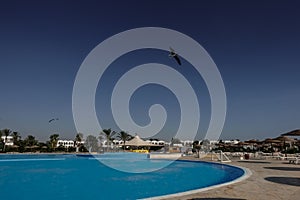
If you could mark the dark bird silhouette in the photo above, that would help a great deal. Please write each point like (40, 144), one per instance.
(175, 56)
(51, 120)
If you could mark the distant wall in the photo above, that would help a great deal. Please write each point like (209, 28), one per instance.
(165, 156)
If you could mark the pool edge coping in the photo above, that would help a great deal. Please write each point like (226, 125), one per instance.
(246, 175)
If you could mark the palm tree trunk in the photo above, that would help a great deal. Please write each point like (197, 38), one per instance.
(4, 144)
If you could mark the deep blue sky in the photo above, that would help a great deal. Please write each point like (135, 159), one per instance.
(255, 45)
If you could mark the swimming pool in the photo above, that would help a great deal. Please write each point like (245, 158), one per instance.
(69, 177)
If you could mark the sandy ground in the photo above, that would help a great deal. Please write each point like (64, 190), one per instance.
(270, 179)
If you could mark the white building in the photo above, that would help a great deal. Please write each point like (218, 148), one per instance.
(65, 143)
(231, 141)
(8, 141)
(159, 142)
(111, 145)
(115, 142)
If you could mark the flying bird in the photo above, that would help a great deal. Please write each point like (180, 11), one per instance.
(175, 56)
(51, 120)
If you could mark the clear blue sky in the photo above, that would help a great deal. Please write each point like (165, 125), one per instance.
(255, 45)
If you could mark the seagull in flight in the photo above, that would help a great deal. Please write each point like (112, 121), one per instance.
(175, 56)
(51, 120)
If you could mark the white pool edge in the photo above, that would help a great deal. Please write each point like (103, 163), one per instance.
(247, 174)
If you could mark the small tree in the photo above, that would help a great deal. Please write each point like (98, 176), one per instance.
(205, 144)
(124, 137)
(1, 140)
(175, 141)
(16, 138)
(78, 139)
(108, 134)
(6, 132)
(53, 140)
(196, 146)
(30, 141)
(91, 143)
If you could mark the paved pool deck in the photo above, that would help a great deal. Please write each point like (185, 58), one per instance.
(270, 179)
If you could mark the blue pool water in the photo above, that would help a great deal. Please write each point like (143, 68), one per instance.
(69, 177)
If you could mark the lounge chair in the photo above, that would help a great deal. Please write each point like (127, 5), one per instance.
(295, 160)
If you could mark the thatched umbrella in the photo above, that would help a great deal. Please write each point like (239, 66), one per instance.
(271, 141)
(31, 147)
(14, 147)
(138, 142)
(243, 143)
(253, 142)
(292, 133)
(284, 140)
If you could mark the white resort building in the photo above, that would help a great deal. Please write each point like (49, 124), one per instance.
(8, 140)
(65, 143)
(68, 143)
(160, 142)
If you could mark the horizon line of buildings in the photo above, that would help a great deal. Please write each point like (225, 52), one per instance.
(8, 141)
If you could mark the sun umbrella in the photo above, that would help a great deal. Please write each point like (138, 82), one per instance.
(32, 147)
(284, 139)
(137, 141)
(243, 143)
(269, 140)
(253, 141)
(292, 133)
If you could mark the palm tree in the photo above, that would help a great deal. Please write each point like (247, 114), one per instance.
(78, 139)
(108, 135)
(6, 132)
(29, 142)
(124, 137)
(53, 140)
(1, 140)
(16, 137)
